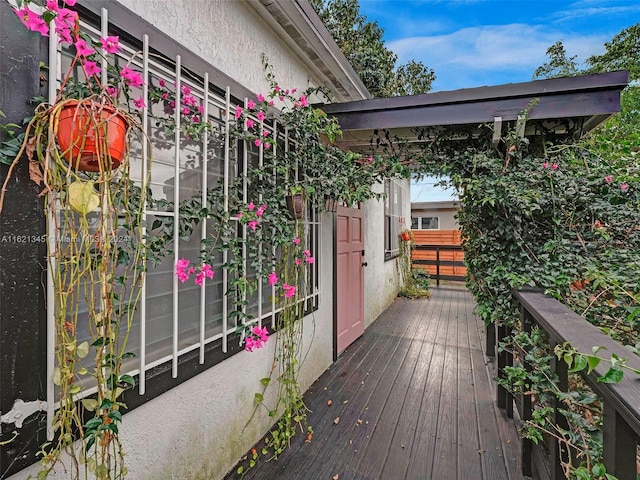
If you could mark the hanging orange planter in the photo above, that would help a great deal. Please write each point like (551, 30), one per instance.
(405, 236)
(92, 136)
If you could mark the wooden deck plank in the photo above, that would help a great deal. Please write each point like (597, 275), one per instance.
(469, 449)
(418, 382)
(446, 445)
(354, 432)
(393, 436)
(422, 451)
(337, 386)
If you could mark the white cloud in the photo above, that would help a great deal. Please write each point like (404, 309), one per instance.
(514, 50)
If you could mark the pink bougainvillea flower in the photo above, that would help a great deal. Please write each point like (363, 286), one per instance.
(64, 32)
(257, 142)
(111, 90)
(261, 209)
(181, 272)
(555, 166)
(293, 90)
(267, 145)
(32, 20)
(71, 3)
(260, 116)
(200, 109)
(185, 90)
(185, 110)
(303, 101)
(52, 5)
(296, 241)
(251, 105)
(133, 78)
(273, 278)
(608, 179)
(310, 260)
(271, 103)
(91, 68)
(250, 123)
(139, 102)
(260, 98)
(249, 344)
(253, 224)
(162, 83)
(265, 133)
(189, 100)
(371, 159)
(67, 16)
(297, 261)
(307, 253)
(598, 224)
(263, 333)
(110, 44)
(83, 49)
(165, 96)
(277, 88)
(251, 206)
(545, 165)
(286, 92)
(238, 113)
(281, 98)
(289, 290)
(624, 187)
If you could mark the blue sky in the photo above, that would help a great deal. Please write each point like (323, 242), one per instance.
(472, 43)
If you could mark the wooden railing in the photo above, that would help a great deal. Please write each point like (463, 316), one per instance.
(621, 401)
(438, 262)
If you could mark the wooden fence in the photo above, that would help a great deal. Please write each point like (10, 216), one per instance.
(440, 253)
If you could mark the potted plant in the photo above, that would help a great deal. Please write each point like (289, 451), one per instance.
(405, 235)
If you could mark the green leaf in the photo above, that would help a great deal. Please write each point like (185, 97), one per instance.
(613, 375)
(579, 363)
(593, 363)
(265, 381)
(128, 379)
(258, 398)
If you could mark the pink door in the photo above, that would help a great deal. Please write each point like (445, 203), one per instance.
(349, 276)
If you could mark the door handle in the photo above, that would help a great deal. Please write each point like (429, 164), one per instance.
(364, 264)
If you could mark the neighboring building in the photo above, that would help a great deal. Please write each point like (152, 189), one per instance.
(434, 215)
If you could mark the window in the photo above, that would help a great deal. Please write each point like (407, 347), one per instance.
(178, 323)
(393, 219)
(425, 223)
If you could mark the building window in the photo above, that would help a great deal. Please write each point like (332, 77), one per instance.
(393, 219)
(182, 323)
(425, 223)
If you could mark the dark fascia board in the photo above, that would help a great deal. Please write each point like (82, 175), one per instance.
(442, 205)
(581, 96)
(297, 23)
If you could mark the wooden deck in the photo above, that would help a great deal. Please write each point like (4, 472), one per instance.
(414, 400)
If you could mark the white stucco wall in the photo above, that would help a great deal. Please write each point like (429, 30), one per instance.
(229, 35)
(381, 276)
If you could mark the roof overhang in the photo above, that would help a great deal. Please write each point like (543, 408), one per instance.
(297, 23)
(568, 106)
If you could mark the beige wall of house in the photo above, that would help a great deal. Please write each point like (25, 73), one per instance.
(197, 429)
(444, 211)
(230, 35)
(382, 281)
